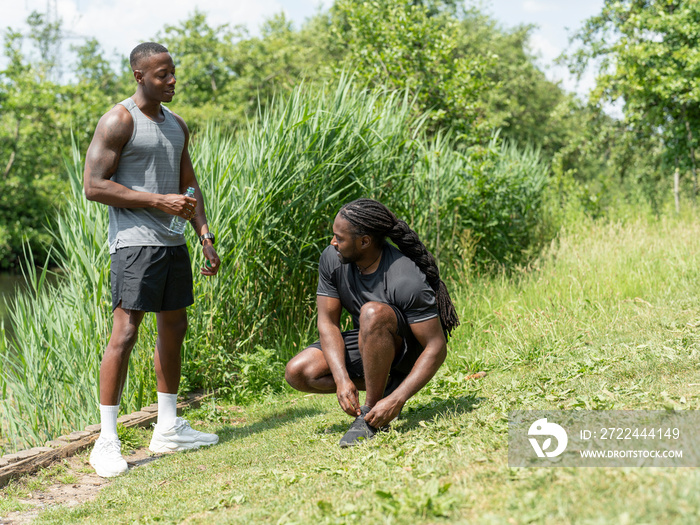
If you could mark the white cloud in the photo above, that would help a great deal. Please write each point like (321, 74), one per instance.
(539, 6)
(122, 25)
(544, 48)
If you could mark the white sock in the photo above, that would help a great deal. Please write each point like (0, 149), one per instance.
(108, 420)
(167, 410)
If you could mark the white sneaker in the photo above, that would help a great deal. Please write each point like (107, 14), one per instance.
(180, 437)
(106, 457)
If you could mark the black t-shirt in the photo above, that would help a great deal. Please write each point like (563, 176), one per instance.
(397, 281)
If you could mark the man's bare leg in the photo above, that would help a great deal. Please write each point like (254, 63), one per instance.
(172, 326)
(308, 371)
(378, 342)
(106, 456)
(115, 362)
(171, 433)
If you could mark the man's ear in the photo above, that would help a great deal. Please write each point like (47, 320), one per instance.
(366, 241)
(138, 75)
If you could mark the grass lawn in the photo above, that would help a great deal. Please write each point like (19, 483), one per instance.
(608, 319)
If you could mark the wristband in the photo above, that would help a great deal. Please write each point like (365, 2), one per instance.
(208, 235)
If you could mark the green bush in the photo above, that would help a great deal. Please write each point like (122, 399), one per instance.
(503, 205)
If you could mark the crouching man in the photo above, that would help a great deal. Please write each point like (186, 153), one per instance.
(401, 312)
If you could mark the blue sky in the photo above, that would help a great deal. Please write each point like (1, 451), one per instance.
(120, 25)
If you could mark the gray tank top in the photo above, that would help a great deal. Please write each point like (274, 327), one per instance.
(149, 162)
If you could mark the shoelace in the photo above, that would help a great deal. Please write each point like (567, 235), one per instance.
(361, 423)
(182, 423)
(111, 445)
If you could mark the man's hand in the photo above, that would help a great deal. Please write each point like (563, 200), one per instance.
(349, 398)
(180, 205)
(384, 412)
(211, 266)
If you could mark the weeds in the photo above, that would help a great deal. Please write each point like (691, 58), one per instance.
(131, 438)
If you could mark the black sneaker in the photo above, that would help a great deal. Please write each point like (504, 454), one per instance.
(359, 431)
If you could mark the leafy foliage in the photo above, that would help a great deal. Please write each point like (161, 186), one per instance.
(37, 117)
(648, 58)
(423, 57)
(503, 205)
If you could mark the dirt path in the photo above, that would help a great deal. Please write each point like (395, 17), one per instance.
(85, 486)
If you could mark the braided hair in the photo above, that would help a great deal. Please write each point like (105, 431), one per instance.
(369, 217)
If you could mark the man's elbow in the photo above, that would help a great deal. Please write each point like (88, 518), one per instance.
(90, 191)
(441, 355)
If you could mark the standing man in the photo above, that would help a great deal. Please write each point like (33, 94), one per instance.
(138, 164)
(401, 312)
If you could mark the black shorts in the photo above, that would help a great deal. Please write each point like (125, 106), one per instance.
(151, 278)
(404, 360)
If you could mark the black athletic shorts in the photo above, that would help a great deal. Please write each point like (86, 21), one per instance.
(151, 278)
(404, 360)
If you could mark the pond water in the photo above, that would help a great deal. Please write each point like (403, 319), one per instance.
(9, 284)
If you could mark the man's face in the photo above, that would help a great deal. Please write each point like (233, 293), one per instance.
(156, 74)
(345, 242)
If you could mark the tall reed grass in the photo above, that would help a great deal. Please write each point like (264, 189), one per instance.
(271, 195)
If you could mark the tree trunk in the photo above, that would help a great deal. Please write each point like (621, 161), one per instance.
(677, 189)
(213, 87)
(8, 167)
(692, 158)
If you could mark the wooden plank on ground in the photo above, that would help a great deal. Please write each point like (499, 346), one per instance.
(25, 462)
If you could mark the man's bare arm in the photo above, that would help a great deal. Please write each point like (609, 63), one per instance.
(199, 222)
(102, 160)
(333, 347)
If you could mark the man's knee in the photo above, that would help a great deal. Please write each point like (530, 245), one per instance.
(124, 339)
(374, 315)
(172, 323)
(305, 368)
(295, 372)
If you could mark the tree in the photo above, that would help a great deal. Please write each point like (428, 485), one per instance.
(203, 55)
(37, 117)
(226, 76)
(28, 150)
(648, 57)
(281, 58)
(522, 102)
(415, 46)
(93, 69)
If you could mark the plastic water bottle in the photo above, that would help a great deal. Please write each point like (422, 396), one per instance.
(177, 224)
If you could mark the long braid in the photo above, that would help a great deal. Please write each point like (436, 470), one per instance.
(372, 218)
